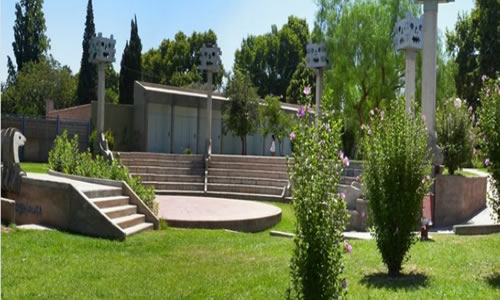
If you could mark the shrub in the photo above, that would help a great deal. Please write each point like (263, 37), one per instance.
(316, 265)
(489, 123)
(455, 133)
(188, 151)
(395, 176)
(64, 157)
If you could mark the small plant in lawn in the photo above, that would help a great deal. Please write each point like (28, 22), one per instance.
(489, 123)
(395, 176)
(64, 157)
(455, 133)
(317, 266)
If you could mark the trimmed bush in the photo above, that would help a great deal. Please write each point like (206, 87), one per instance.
(395, 177)
(455, 134)
(316, 265)
(65, 157)
(489, 123)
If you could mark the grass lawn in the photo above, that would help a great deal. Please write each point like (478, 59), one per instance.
(201, 264)
(461, 172)
(35, 167)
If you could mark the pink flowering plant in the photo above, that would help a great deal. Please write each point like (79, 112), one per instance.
(397, 162)
(455, 133)
(489, 123)
(317, 261)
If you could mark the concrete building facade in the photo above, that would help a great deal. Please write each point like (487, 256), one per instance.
(171, 120)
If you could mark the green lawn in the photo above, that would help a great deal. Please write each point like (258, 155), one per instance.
(35, 167)
(202, 264)
(461, 172)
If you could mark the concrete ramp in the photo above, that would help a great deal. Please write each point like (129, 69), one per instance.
(89, 206)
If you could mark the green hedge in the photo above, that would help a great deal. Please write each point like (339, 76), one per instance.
(65, 157)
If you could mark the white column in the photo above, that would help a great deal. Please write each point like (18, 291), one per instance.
(319, 89)
(429, 66)
(209, 113)
(411, 57)
(100, 96)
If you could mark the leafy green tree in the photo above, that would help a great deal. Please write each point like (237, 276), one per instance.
(37, 82)
(175, 62)
(317, 264)
(302, 78)
(271, 59)
(30, 42)
(474, 45)
(87, 79)
(395, 177)
(131, 65)
(241, 113)
(112, 84)
(274, 120)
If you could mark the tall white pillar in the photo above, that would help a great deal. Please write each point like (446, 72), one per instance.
(429, 67)
(101, 68)
(209, 113)
(319, 90)
(411, 59)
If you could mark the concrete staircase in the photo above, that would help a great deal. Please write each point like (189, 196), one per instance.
(119, 209)
(167, 173)
(247, 177)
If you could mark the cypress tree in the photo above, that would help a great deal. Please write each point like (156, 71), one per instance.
(130, 66)
(30, 42)
(87, 80)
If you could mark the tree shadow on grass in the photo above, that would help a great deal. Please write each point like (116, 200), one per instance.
(404, 281)
(494, 280)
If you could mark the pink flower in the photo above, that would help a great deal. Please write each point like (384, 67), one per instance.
(347, 247)
(458, 102)
(474, 150)
(341, 154)
(342, 195)
(372, 112)
(346, 161)
(428, 177)
(470, 109)
(300, 112)
(357, 178)
(363, 214)
(369, 131)
(344, 284)
(487, 162)
(423, 180)
(423, 118)
(382, 115)
(292, 136)
(307, 91)
(483, 78)
(308, 108)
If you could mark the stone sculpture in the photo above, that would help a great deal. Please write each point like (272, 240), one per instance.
(104, 148)
(210, 58)
(12, 173)
(316, 56)
(408, 33)
(102, 50)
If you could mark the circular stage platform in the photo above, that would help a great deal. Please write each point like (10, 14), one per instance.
(217, 213)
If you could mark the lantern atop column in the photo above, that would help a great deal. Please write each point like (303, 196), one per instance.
(408, 33)
(102, 50)
(316, 56)
(210, 58)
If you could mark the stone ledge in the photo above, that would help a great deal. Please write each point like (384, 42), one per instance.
(476, 229)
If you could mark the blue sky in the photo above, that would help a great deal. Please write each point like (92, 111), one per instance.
(158, 19)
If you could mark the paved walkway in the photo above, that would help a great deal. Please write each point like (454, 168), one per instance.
(80, 185)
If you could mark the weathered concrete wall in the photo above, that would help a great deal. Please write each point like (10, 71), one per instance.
(60, 205)
(458, 198)
(81, 112)
(8, 211)
(119, 118)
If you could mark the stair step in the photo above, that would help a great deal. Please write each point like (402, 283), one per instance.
(163, 163)
(248, 166)
(249, 159)
(112, 192)
(245, 196)
(104, 202)
(248, 181)
(129, 221)
(169, 178)
(120, 211)
(138, 228)
(166, 170)
(240, 188)
(248, 173)
(190, 186)
(157, 155)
